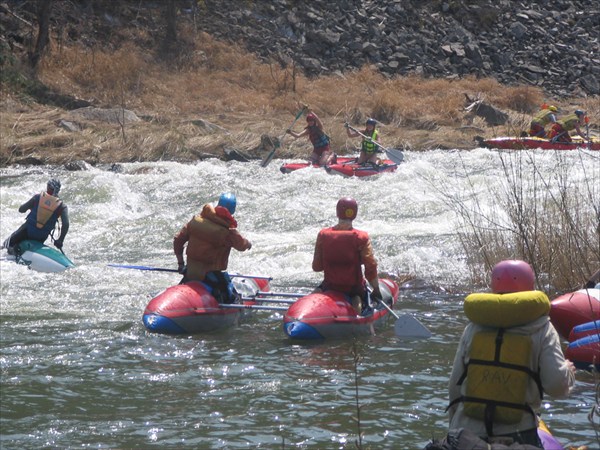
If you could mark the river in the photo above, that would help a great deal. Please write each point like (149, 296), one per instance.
(80, 371)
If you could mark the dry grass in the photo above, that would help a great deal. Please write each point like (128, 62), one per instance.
(226, 85)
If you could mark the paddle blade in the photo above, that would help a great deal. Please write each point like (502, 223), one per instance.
(395, 155)
(265, 162)
(410, 327)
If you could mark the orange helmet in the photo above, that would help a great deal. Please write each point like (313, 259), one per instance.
(346, 208)
(512, 275)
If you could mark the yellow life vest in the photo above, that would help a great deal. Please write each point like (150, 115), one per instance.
(498, 370)
(46, 207)
(497, 377)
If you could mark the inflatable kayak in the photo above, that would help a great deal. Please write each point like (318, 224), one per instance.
(190, 308)
(524, 143)
(584, 345)
(549, 442)
(352, 169)
(293, 166)
(329, 314)
(574, 308)
(40, 257)
(585, 352)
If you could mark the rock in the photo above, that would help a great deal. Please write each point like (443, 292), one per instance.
(77, 165)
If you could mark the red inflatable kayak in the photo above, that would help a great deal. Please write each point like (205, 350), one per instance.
(361, 170)
(329, 314)
(190, 308)
(524, 143)
(293, 166)
(574, 308)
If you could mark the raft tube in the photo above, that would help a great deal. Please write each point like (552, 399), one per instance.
(574, 308)
(329, 314)
(190, 308)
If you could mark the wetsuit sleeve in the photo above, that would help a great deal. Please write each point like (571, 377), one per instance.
(237, 241)
(64, 218)
(179, 240)
(29, 204)
(317, 264)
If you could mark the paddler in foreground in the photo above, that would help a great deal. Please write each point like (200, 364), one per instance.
(340, 253)
(210, 236)
(509, 355)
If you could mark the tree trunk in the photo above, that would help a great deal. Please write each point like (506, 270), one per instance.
(43, 37)
(171, 18)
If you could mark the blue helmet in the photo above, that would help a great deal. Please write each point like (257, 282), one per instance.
(228, 201)
(371, 122)
(53, 186)
(579, 113)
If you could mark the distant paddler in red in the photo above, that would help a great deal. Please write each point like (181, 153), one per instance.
(340, 252)
(316, 134)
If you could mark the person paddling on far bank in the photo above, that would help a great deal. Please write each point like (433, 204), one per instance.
(46, 209)
(560, 130)
(340, 252)
(321, 153)
(369, 149)
(210, 236)
(537, 127)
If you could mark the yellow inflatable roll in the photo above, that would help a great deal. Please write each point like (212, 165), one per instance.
(506, 310)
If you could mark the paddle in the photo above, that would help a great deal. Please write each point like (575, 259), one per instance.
(265, 162)
(407, 325)
(160, 269)
(392, 153)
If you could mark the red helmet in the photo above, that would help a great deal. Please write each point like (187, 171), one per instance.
(346, 208)
(311, 117)
(512, 275)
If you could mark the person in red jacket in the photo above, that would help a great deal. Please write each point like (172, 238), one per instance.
(340, 253)
(210, 236)
(321, 153)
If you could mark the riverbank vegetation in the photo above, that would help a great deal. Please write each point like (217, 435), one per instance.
(216, 95)
(552, 222)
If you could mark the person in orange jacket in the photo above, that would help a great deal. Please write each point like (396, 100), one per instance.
(210, 236)
(341, 251)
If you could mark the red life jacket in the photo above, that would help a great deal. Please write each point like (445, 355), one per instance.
(342, 264)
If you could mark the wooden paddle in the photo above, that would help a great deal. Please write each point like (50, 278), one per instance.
(393, 154)
(265, 162)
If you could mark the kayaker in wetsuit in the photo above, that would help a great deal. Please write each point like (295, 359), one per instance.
(560, 130)
(340, 252)
(210, 236)
(369, 149)
(509, 355)
(537, 127)
(314, 130)
(46, 209)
